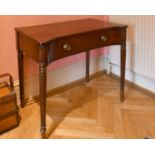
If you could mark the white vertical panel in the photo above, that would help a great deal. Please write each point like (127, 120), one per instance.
(140, 44)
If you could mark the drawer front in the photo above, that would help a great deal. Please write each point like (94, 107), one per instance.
(82, 42)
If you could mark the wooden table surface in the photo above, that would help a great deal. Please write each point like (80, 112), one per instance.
(48, 32)
(50, 42)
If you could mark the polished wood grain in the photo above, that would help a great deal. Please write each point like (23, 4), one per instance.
(81, 35)
(50, 42)
(85, 41)
(91, 110)
(49, 32)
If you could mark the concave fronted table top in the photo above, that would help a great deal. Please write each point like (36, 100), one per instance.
(48, 32)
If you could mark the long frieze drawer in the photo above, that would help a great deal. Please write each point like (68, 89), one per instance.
(74, 44)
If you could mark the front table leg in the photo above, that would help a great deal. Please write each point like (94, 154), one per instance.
(42, 81)
(123, 64)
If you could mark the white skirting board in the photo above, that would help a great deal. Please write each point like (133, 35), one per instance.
(136, 78)
(140, 62)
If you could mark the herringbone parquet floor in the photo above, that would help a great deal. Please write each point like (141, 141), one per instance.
(91, 110)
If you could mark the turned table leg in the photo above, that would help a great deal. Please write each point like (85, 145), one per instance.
(87, 65)
(21, 77)
(123, 64)
(42, 81)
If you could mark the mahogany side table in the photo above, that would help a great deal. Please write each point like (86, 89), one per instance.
(50, 42)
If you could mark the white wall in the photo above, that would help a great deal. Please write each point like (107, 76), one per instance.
(140, 50)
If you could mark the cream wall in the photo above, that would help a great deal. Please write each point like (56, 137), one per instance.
(140, 50)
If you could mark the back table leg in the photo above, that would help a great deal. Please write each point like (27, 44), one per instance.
(123, 64)
(87, 65)
(21, 77)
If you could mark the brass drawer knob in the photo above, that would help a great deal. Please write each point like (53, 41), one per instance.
(66, 47)
(103, 38)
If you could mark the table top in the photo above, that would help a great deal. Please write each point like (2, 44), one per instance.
(48, 32)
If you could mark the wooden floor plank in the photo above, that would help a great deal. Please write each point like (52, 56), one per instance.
(91, 110)
(118, 121)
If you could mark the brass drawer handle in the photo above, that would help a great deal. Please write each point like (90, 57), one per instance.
(103, 38)
(66, 47)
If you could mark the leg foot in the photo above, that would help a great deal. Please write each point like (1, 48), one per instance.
(121, 96)
(22, 100)
(43, 133)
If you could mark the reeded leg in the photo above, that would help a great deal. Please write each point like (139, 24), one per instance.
(21, 77)
(123, 64)
(87, 65)
(42, 80)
